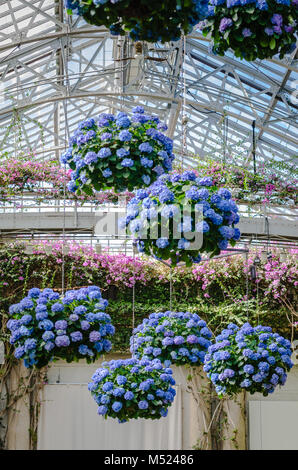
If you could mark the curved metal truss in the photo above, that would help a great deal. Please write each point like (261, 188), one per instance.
(55, 71)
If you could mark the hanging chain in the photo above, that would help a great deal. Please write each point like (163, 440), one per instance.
(254, 146)
(258, 310)
(184, 116)
(171, 288)
(122, 54)
(225, 137)
(66, 137)
(133, 300)
(247, 286)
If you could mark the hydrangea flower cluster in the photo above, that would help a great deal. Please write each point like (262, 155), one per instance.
(119, 152)
(182, 206)
(173, 337)
(248, 358)
(145, 21)
(130, 389)
(45, 326)
(253, 29)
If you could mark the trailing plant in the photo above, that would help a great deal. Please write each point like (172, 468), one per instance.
(45, 180)
(250, 188)
(216, 289)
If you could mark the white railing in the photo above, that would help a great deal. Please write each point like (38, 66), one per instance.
(29, 204)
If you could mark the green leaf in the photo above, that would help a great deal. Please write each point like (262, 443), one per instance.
(272, 44)
(97, 186)
(87, 190)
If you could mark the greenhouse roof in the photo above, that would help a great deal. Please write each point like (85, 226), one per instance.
(56, 71)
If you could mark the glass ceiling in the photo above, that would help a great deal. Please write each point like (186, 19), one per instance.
(55, 71)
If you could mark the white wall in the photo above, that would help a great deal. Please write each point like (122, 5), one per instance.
(273, 420)
(69, 419)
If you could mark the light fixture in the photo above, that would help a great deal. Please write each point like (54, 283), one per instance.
(48, 250)
(65, 249)
(184, 120)
(138, 49)
(253, 272)
(28, 249)
(98, 248)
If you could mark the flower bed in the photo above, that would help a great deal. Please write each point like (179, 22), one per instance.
(182, 206)
(253, 29)
(247, 358)
(46, 326)
(130, 389)
(118, 152)
(173, 337)
(146, 21)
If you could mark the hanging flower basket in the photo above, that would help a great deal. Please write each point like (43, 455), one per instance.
(181, 216)
(253, 29)
(146, 21)
(247, 358)
(118, 152)
(46, 326)
(173, 337)
(130, 389)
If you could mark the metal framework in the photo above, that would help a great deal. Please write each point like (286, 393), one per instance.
(55, 71)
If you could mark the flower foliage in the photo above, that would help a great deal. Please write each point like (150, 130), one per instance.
(253, 29)
(146, 21)
(130, 389)
(254, 359)
(118, 151)
(182, 206)
(173, 337)
(46, 181)
(263, 187)
(217, 289)
(46, 326)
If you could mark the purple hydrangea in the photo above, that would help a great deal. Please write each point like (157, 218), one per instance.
(62, 341)
(91, 157)
(76, 336)
(225, 23)
(105, 152)
(61, 325)
(127, 162)
(94, 336)
(125, 136)
(246, 33)
(85, 325)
